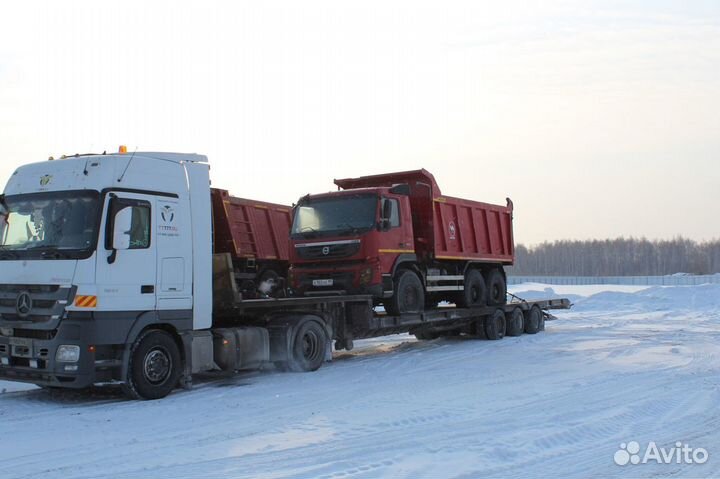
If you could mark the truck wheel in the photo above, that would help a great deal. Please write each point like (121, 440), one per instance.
(515, 322)
(497, 288)
(268, 283)
(155, 366)
(533, 320)
(474, 292)
(495, 325)
(409, 295)
(308, 347)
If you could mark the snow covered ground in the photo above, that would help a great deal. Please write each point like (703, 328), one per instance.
(625, 364)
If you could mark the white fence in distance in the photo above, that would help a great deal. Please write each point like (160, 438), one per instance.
(672, 280)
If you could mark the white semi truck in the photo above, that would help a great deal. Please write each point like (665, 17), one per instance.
(107, 275)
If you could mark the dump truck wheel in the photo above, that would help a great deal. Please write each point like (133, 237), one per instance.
(274, 284)
(475, 290)
(515, 322)
(533, 320)
(409, 295)
(497, 288)
(308, 347)
(495, 325)
(155, 366)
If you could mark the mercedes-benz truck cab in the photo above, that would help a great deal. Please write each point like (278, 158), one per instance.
(95, 252)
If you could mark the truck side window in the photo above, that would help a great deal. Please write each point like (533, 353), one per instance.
(394, 212)
(140, 227)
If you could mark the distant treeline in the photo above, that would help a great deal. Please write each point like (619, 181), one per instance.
(618, 257)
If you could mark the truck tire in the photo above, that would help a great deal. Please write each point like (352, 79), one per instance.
(474, 291)
(155, 366)
(533, 320)
(276, 287)
(515, 322)
(497, 288)
(495, 325)
(308, 347)
(409, 295)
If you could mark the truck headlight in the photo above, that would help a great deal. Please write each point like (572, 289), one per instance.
(67, 353)
(366, 275)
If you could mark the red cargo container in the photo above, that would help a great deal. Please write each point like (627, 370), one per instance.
(255, 234)
(397, 237)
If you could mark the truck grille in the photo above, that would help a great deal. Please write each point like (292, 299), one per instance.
(328, 250)
(34, 303)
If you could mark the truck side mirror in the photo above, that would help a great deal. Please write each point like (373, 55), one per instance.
(121, 229)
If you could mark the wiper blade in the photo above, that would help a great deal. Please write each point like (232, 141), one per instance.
(350, 228)
(55, 254)
(42, 246)
(6, 252)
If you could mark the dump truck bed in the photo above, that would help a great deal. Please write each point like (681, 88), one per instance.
(249, 229)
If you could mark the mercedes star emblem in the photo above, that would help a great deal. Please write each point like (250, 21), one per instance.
(23, 304)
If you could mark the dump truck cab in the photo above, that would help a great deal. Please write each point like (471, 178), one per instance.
(343, 242)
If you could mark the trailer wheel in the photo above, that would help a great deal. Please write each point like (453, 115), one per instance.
(533, 320)
(155, 366)
(497, 288)
(308, 347)
(409, 295)
(515, 322)
(474, 291)
(495, 325)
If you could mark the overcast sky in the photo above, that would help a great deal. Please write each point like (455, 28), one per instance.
(599, 119)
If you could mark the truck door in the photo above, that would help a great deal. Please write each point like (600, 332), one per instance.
(397, 235)
(126, 278)
(174, 254)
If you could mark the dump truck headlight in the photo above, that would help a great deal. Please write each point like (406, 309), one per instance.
(366, 275)
(67, 353)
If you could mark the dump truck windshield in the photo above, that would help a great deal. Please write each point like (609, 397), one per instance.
(337, 215)
(49, 225)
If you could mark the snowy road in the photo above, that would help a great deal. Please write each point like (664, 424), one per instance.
(625, 364)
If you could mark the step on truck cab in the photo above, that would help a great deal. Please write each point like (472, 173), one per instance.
(397, 237)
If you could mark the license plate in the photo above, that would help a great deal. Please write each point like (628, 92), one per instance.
(21, 347)
(322, 282)
(21, 342)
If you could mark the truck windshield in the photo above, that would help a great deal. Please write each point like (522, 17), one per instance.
(49, 225)
(337, 215)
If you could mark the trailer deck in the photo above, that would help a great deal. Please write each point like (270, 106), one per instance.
(355, 317)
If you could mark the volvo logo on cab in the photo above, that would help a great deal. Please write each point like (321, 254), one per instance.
(326, 250)
(23, 305)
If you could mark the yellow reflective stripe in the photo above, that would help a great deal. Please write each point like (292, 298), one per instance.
(396, 251)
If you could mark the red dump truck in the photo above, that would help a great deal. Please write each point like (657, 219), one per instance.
(254, 236)
(397, 237)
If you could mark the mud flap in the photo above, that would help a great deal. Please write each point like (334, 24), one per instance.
(186, 376)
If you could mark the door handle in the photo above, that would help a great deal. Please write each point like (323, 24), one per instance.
(147, 289)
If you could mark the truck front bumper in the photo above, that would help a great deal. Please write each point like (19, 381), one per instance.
(30, 356)
(312, 281)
